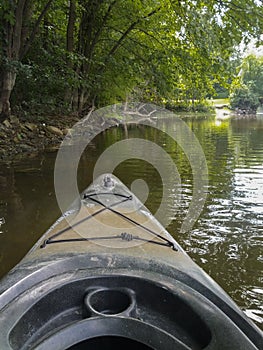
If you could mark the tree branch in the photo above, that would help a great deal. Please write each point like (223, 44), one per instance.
(145, 46)
(104, 21)
(35, 29)
(128, 30)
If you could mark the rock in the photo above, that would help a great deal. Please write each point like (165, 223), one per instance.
(6, 123)
(14, 119)
(52, 149)
(17, 138)
(67, 131)
(30, 126)
(27, 148)
(54, 130)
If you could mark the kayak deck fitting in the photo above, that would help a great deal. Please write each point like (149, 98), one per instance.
(107, 275)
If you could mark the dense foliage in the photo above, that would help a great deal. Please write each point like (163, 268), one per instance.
(244, 100)
(248, 94)
(69, 55)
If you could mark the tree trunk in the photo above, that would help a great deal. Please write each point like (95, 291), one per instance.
(81, 101)
(69, 94)
(11, 48)
(71, 26)
(32, 36)
(8, 82)
(15, 46)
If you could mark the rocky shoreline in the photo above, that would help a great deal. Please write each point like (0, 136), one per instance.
(27, 138)
(23, 138)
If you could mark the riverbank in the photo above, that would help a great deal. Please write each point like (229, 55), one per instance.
(20, 137)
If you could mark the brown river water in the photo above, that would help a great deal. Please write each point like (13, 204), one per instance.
(227, 238)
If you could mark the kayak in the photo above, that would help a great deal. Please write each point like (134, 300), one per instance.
(107, 275)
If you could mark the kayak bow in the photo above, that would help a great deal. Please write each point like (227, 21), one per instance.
(107, 275)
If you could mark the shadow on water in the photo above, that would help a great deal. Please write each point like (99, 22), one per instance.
(227, 238)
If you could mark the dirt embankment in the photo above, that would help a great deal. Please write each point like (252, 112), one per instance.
(19, 138)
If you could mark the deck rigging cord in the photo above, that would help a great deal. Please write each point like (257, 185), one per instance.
(124, 235)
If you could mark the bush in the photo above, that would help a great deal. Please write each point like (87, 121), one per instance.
(186, 106)
(245, 100)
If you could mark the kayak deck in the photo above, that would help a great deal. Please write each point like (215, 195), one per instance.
(113, 229)
(112, 215)
(108, 275)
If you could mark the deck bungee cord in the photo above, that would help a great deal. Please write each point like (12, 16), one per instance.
(124, 235)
